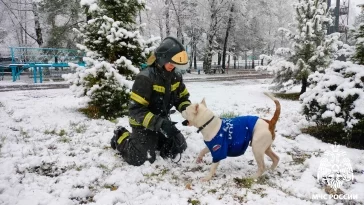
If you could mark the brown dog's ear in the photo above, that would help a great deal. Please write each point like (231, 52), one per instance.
(203, 102)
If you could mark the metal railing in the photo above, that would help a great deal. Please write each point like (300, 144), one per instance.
(36, 59)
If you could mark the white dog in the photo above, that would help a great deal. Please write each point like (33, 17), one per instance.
(231, 137)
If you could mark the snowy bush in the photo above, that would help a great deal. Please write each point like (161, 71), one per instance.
(114, 52)
(102, 87)
(282, 70)
(336, 97)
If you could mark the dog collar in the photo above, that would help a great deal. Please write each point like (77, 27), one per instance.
(203, 126)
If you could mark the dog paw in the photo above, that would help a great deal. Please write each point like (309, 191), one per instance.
(199, 160)
(207, 178)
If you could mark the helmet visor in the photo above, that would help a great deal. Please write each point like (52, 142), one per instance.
(180, 58)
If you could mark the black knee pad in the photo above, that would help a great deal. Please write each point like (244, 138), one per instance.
(118, 132)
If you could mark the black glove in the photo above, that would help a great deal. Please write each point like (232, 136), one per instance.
(185, 123)
(171, 147)
(169, 129)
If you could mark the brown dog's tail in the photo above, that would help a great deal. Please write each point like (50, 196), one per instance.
(272, 123)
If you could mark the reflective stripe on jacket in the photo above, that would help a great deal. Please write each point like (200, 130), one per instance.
(148, 102)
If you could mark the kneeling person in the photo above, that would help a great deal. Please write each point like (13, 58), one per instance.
(155, 91)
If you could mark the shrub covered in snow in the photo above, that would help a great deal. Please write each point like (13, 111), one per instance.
(359, 46)
(114, 50)
(336, 97)
(101, 87)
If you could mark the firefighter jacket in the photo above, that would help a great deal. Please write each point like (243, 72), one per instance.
(155, 91)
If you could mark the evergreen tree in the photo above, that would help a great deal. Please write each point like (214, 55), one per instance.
(312, 20)
(359, 46)
(114, 50)
(312, 49)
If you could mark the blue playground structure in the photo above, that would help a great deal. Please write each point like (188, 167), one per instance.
(37, 59)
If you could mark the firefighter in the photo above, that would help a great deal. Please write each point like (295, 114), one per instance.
(155, 91)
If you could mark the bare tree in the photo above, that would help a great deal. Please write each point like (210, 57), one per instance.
(207, 27)
(229, 24)
(179, 6)
(18, 14)
(168, 31)
(3, 32)
(217, 11)
(193, 29)
(38, 29)
(59, 19)
(155, 16)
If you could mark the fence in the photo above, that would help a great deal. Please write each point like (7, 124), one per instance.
(238, 65)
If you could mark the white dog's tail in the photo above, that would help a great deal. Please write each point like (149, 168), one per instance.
(272, 122)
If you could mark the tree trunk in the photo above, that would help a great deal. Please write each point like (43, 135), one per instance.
(168, 31)
(22, 33)
(272, 51)
(88, 15)
(179, 22)
(227, 36)
(218, 58)
(210, 37)
(192, 53)
(246, 60)
(208, 55)
(26, 28)
(304, 85)
(160, 28)
(140, 22)
(38, 29)
(253, 65)
(195, 56)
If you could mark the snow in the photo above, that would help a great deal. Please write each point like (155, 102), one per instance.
(52, 154)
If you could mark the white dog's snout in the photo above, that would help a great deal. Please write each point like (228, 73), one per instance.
(184, 114)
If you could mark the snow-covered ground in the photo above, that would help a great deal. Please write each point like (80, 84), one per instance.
(52, 154)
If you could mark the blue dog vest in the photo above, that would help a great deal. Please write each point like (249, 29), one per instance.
(233, 137)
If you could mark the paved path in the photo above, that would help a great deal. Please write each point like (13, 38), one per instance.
(203, 78)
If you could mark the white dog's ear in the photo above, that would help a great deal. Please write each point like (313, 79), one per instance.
(203, 102)
(196, 108)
